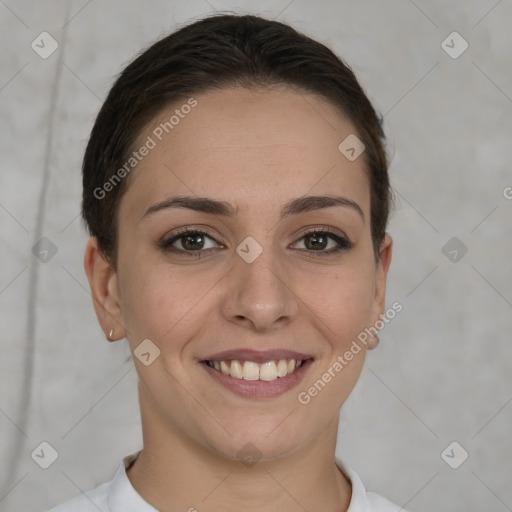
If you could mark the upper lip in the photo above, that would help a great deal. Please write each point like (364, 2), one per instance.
(257, 356)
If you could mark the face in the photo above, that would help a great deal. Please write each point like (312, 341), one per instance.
(266, 258)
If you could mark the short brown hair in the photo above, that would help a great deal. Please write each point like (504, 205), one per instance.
(214, 53)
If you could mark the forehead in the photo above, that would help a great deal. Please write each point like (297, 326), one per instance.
(263, 146)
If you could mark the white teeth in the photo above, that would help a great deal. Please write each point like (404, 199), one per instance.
(249, 370)
(282, 368)
(236, 370)
(268, 371)
(224, 368)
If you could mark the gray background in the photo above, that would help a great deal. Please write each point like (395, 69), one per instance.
(442, 372)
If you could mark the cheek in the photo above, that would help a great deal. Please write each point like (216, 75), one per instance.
(341, 301)
(151, 305)
(340, 306)
(162, 304)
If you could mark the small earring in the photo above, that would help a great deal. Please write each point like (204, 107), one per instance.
(110, 334)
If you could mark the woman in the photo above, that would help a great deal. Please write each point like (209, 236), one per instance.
(236, 191)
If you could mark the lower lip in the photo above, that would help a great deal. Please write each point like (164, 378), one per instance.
(259, 388)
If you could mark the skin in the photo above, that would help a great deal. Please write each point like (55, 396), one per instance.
(256, 150)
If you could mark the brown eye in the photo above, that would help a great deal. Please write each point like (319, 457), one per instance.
(192, 242)
(316, 241)
(324, 242)
(189, 241)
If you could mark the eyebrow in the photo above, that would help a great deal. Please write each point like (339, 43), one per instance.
(223, 208)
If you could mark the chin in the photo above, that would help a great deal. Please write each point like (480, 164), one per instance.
(256, 440)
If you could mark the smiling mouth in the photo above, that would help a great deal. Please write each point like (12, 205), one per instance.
(250, 370)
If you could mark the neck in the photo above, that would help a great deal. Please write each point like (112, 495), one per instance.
(174, 473)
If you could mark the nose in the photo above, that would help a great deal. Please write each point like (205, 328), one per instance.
(259, 295)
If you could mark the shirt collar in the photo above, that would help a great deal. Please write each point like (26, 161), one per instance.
(124, 498)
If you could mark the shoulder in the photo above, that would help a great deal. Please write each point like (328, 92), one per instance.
(363, 501)
(116, 495)
(377, 503)
(91, 501)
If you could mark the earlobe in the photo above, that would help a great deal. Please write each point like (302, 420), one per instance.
(104, 290)
(381, 272)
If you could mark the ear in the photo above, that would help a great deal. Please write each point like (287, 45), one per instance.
(381, 273)
(104, 290)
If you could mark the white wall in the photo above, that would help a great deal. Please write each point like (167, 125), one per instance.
(443, 370)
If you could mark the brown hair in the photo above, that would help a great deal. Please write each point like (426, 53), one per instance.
(214, 53)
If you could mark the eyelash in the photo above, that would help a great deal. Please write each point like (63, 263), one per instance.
(343, 242)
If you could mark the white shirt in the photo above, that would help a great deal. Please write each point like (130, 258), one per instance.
(119, 495)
